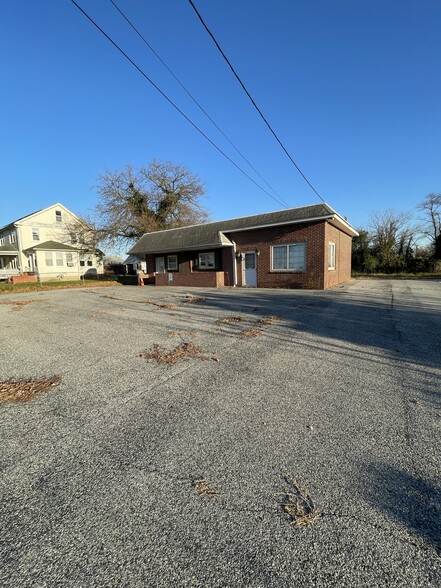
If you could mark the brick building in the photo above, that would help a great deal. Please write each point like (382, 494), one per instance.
(306, 247)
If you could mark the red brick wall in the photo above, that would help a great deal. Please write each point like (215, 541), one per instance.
(202, 279)
(343, 252)
(313, 234)
(22, 279)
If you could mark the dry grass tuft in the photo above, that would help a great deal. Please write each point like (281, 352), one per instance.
(299, 505)
(186, 350)
(268, 320)
(204, 488)
(169, 305)
(194, 300)
(23, 390)
(249, 333)
(18, 305)
(230, 319)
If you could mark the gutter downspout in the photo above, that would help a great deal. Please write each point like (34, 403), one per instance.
(234, 265)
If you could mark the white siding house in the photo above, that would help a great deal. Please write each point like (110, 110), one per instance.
(47, 243)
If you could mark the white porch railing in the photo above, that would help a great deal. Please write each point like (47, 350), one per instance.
(9, 272)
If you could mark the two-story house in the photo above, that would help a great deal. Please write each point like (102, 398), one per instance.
(48, 243)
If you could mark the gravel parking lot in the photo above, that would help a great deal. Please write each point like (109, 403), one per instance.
(297, 445)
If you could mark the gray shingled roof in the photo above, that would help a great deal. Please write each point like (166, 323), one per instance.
(52, 246)
(8, 250)
(216, 234)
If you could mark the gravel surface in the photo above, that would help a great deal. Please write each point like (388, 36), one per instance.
(337, 400)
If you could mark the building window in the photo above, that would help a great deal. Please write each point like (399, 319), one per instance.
(2, 241)
(36, 234)
(12, 238)
(58, 216)
(82, 263)
(289, 257)
(89, 263)
(331, 256)
(172, 262)
(48, 257)
(206, 260)
(59, 258)
(73, 238)
(69, 259)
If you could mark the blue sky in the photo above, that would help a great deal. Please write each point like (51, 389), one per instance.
(352, 88)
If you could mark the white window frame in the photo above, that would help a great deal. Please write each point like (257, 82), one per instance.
(172, 262)
(69, 259)
(48, 259)
(58, 216)
(331, 256)
(36, 234)
(2, 241)
(12, 237)
(204, 260)
(59, 259)
(288, 269)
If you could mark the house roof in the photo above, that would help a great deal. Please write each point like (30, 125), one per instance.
(8, 250)
(216, 234)
(51, 246)
(56, 205)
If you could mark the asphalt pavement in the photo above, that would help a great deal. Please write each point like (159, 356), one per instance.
(297, 446)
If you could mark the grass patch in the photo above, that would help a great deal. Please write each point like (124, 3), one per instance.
(24, 390)
(58, 285)
(204, 488)
(18, 305)
(249, 333)
(299, 505)
(186, 350)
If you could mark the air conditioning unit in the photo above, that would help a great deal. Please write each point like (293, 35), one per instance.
(70, 264)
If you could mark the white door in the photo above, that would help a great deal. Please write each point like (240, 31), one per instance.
(249, 269)
(160, 265)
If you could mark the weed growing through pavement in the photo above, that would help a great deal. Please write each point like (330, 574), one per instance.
(299, 505)
(230, 319)
(249, 333)
(18, 305)
(25, 389)
(268, 320)
(204, 488)
(186, 350)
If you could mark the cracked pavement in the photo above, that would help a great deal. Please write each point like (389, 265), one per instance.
(341, 393)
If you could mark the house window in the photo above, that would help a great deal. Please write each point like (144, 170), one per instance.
(69, 259)
(331, 256)
(59, 258)
(2, 241)
(12, 238)
(82, 263)
(73, 238)
(172, 262)
(89, 263)
(289, 257)
(206, 260)
(48, 258)
(36, 234)
(58, 216)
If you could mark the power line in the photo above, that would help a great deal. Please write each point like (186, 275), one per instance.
(194, 99)
(252, 100)
(172, 103)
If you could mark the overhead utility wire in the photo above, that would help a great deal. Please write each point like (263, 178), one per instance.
(252, 100)
(194, 99)
(172, 103)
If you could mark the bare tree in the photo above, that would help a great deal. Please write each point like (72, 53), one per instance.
(393, 239)
(132, 202)
(431, 216)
